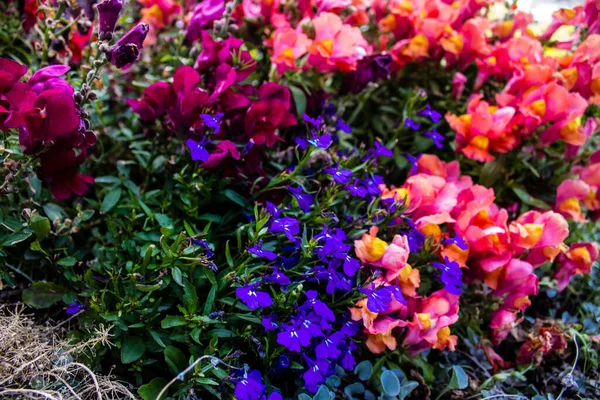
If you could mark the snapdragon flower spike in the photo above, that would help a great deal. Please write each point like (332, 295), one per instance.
(278, 277)
(305, 200)
(342, 126)
(213, 121)
(198, 149)
(433, 115)
(341, 176)
(260, 252)
(253, 298)
(411, 124)
(438, 139)
(127, 49)
(108, 14)
(250, 386)
(458, 241)
(451, 275)
(378, 299)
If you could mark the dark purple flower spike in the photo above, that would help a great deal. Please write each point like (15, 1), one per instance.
(127, 49)
(108, 14)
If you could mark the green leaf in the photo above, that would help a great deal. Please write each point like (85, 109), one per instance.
(299, 100)
(43, 294)
(151, 390)
(54, 212)
(132, 349)
(67, 261)
(390, 383)
(364, 369)
(16, 238)
(210, 300)
(147, 288)
(323, 394)
(163, 220)
(40, 226)
(459, 380)
(171, 321)
(177, 276)
(528, 199)
(235, 197)
(156, 338)
(228, 255)
(190, 297)
(111, 200)
(175, 359)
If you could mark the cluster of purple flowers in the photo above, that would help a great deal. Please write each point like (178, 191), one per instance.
(435, 117)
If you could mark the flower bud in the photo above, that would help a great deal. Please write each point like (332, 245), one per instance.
(108, 14)
(127, 49)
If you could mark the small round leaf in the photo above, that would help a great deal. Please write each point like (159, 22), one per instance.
(390, 383)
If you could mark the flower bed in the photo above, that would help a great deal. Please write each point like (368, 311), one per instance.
(314, 199)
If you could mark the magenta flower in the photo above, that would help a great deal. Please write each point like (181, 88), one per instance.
(10, 72)
(158, 98)
(270, 112)
(223, 149)
(127, 49)
(108, 14)
(203, 16)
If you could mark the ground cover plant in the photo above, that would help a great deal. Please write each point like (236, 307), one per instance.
(316, 199)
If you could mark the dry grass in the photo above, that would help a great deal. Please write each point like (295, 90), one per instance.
(37, 363)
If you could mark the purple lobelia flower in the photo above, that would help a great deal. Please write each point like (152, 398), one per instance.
(74, 308)
(127, 49)
(458, 241)
(413, 162)
(290, 338)
(322, 142)
(273, 210)
(315, 374)
(198, 149)
(315, 122)
(438, 139)
(213, 121)
(287, 225)
(356, 190)
(428, 112)
(203, 243)
(341, 176)
(305, 200)
(259, 251)
(317, 306)
(451, 275)
(278, 277)
(381, 150)
(269, 323)
(373, 183)
(250, 386)
(253, 298)
(351, 265)
(378, 300)
(347, 360)
(108, 14)
(411, 124)
(342, 126)
(328, 348)
(351, 328)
